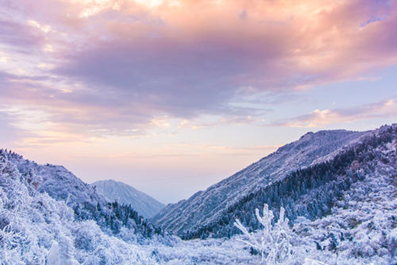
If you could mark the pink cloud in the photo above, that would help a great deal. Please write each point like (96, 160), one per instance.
(320, 118)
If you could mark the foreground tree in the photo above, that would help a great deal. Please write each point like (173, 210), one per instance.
(274, 241)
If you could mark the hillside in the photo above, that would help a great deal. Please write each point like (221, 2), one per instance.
(57, 181)
(313, 192)
(37, 229)
(207, 207)
(125, 194)
(87, 203)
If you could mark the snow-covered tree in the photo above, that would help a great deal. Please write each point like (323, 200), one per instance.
(274, 242)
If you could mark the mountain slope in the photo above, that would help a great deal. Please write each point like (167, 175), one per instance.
(87, 203)
(57, 181)
(123, 193)
(207, 207)
(362, 221)
(315, 191)
(37, 229)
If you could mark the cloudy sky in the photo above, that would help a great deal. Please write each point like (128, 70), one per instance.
(170, 96)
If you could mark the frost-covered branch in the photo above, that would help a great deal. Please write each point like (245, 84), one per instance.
(274, 244)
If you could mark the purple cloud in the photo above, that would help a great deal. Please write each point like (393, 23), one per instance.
(319, 118)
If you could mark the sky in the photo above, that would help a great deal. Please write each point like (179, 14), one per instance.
(171, 96)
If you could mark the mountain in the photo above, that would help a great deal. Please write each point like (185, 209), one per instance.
(35, 228)
(338, 190)
(57, 181)
(316, 191)
(340, 211)
(87, 203)
(123, 193)
(212, 212)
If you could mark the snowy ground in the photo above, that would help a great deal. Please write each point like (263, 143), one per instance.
(210, 251)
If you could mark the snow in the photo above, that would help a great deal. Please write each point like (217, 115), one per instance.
(362, 226)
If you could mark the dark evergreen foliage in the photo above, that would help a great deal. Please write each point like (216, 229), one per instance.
(113, 216)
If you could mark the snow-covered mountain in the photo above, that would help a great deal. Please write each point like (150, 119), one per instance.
(314, 192)
(35, 228)
(338, 189)
(123, 193)
(86, 202)
(210, 206)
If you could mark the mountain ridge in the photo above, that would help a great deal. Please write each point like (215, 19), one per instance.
(57, 181)
(207, 206)
(88, 204)
(312, 192)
